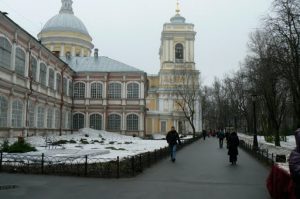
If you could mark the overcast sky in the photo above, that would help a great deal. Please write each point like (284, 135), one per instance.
(129, 30)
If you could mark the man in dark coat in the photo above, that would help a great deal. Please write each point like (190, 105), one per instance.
(233, 143)
(294, 164)
(172, 139)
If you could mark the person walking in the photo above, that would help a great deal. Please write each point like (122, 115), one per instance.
(221, 136)
(233, 143)
(173, 139)
(204, 134)
(294, 164)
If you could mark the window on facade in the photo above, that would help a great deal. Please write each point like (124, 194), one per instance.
(70, 88)
(96, 91)
(20, 62)
(5, 53)
(43, 73)
(133, 91)
(63, 119)
(114, 91)
(132, 122)
(79, 90)
(3, 111)
(40, 117)
(58, 83)
(96, 121)
(57, 119)
(31, 112)
(17, 114)
(114, 122)
(50, 118)
(65, 91)
(163, 126)
(33, 68)
(51, 78)
(78, 121)
(179, 53)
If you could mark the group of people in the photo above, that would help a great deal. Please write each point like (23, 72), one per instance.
(232, 146)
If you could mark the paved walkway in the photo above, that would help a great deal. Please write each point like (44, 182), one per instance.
(201, 171)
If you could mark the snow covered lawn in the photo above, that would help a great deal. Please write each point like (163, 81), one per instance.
(99, 145)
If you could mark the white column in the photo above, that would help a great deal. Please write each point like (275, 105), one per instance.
(123, 125)
(88, 90)
(172, 51)
(82, 52)
(26, 63)
(38, 71)
(47, 75)
(192, 51)
(73, 51)
(187, 51)
(141, 121)
(142, 90)
(104, 120)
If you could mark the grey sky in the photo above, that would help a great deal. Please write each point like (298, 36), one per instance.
(129, 30)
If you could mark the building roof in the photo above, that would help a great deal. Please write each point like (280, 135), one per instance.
(65, 21)
(98, 64)
(178, 19)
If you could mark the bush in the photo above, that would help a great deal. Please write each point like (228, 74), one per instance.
(113, 148)
(20, 147)
(59, 142)
(4, 146)
(72, 141)
(269, 139)
(84, 141)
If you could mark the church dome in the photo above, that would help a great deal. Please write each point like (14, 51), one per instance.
(177, 19)
(65, 22)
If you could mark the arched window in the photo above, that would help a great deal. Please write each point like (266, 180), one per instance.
(96, 91)
(57, 118)
(17, 114)
(3, 111)
(70, 88)
(31, 112)
(20, 62)
(179, 53)
(114, 122)
(50, 118)
(78, 121)
(43, 73)
(114, 91)
(51, 78)
(132, 122)
(58, 83)
(40, 117)
(96, 121)
(5, 53)
(133, 91)
(65, 83)
(33, 68)
(79, 90)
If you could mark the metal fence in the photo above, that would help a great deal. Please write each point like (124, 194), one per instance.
(262, 154)
(87, 166)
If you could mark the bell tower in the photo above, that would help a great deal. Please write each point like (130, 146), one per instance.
(177, 47)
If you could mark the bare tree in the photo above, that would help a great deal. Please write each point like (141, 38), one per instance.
(187, 88)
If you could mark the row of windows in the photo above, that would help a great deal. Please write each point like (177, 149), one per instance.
(114, 90)
(113, 122)
(5, 61)
(36, 116)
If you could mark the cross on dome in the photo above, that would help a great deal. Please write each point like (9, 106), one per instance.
(66, 7)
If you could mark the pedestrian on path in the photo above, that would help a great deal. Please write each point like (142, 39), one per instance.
(204, 134)
(221, 136)
(294, 164)
(173, 139)
(233, 143)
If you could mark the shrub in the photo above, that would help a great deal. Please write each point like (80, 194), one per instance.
(127, 142)
(20, 147)
(269, 139)
(72, 141)
(86, 135)
(84, 141)
(59, 142)
(5, 146)
(111, 142)
(113, 148)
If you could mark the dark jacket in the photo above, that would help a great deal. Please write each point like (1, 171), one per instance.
(233, 143)
(294, 160)
(172, 138)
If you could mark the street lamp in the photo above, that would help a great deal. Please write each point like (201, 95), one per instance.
(255, 143)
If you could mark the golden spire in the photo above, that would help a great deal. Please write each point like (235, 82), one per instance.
(177, 7)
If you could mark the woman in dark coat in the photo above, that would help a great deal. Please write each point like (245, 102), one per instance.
(294, 164)
(233, 143)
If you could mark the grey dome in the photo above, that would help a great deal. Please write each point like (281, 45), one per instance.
(65, 22)
(177, 19)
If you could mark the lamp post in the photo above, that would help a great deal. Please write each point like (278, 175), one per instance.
(255, 143)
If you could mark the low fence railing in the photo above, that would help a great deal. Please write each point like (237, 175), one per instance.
(84, 165)
(262, 154)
